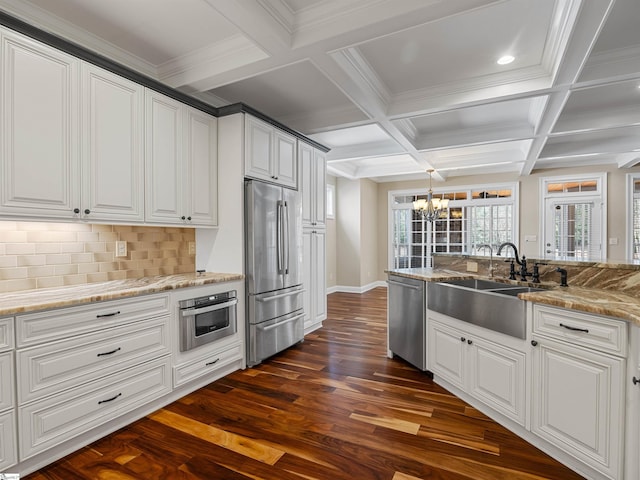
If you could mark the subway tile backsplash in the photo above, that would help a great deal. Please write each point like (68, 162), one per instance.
(41, 255)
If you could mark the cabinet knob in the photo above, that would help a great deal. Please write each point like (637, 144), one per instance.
(534, 343)
(87, 211)
(635, 380)
(189, 218)
(462, 339)
(470, 342)
(76, 210)
(183, 217)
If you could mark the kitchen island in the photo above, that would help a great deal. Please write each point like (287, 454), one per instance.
(569, 386)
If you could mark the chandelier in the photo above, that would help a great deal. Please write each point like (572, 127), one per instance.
(431, 208)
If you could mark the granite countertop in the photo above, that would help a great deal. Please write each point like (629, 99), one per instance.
(598, 301)
(48, 298)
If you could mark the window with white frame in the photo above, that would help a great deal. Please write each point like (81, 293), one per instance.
(633, 216)
(331, 201)
(574, 217)
(475, 216)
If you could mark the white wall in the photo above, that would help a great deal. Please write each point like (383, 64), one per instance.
(331, 242)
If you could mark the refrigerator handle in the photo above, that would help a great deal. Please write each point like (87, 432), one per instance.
(286, 238)
(279, 239)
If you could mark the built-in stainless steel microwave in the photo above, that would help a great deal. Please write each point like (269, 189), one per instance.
(206, 319)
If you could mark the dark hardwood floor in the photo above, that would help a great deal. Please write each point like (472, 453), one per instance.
(332, 408)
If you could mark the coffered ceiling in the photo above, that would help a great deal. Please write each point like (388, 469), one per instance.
(394, 87)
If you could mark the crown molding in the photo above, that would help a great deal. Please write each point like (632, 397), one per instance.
(232, 52)
(281, 13)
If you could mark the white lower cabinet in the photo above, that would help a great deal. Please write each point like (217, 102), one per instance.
(314, 280)
(8, 445)
(83, 367)
(207, 363)
(578, 391)
(8, 450)
(486, 365)
(56, 418)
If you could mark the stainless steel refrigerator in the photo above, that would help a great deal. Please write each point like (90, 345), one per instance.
(273, 269)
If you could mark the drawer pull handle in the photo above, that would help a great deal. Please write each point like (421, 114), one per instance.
(575, 329)
(635, 380)
(109, 353)
(112, 314)
(109, 399)
(212, 363)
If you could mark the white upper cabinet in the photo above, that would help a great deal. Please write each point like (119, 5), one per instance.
(181, 163)
(270, 154)
(202, 164)
(313, 184)
(112, 146)
(163, 159)
(39, 129)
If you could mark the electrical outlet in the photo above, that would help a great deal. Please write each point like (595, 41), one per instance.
(192, 248)
(121, 248)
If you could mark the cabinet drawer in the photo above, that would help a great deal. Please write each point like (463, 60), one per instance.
(8, 446)
(206, 364)
(6, 380)
(55, 419)
(7, 341)
(56, 324)
(592, 331)
(64, 364)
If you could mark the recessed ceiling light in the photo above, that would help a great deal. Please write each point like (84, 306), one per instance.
(507, 59)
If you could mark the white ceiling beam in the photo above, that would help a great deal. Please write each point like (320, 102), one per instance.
(580, 39)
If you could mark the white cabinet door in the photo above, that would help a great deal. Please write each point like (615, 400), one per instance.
(112, 139)
(578, 403)
(164, 170)
(40, 143)
(181, 163)
(7, 380)
(285, 159)
(258, 149)
(307, 278)
(314, 278)
(319, 284)
(497, 377)
(8, 446)
(447, 352)
(202, 160)
(270, 153)
(313, 185)
(320, 188)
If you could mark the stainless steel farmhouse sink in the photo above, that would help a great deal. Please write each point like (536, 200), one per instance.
(489, 304)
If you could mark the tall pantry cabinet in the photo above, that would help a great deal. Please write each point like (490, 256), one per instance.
(313, 186)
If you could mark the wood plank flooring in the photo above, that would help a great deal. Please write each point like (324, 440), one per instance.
(332, 408)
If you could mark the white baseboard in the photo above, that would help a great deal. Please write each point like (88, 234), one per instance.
(362, 289)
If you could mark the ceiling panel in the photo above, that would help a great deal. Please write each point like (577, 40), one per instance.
(462, 46)
(288, 91)
(154, 30)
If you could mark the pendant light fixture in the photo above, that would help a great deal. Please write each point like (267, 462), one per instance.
(431, 208)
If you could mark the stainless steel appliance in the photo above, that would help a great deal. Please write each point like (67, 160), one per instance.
(273, 243)
(407, 320)
(208, 318)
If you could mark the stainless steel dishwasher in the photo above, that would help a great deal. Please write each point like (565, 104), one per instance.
(407, 320)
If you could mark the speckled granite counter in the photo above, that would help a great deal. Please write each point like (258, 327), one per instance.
(599, 301)
(47, 298)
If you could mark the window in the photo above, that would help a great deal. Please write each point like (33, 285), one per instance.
(574, 223)
(475, 216)
(633, 216)
(331, 201)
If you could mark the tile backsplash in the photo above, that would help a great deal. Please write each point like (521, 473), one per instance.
(40, 255)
